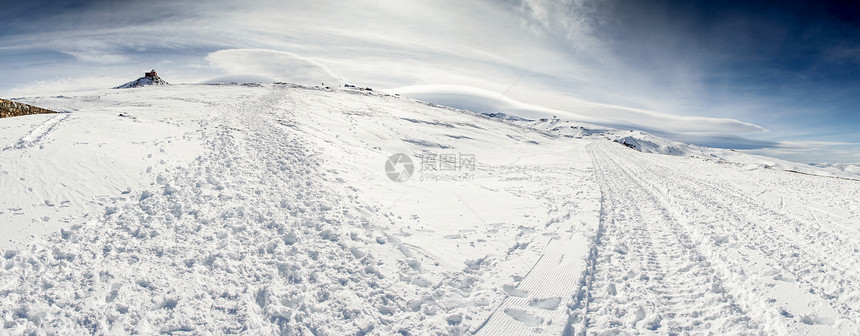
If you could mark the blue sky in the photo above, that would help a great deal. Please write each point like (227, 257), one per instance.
(778, 78)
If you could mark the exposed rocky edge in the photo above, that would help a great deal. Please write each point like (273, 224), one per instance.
(149, 78)
(10, 108)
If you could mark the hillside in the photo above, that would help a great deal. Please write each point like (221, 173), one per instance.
(271, 209)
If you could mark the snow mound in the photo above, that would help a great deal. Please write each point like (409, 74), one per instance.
(646, 146)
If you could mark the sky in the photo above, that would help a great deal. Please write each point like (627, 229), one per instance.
(778, 78)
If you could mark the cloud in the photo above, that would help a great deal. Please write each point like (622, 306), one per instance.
(279, 65)
(97, 57)
(812, 151)
(66, 84)
(240, 78)
(481, 101)
(718, 140)
(484, 101)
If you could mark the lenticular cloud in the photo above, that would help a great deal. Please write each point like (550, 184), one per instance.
(279, 65)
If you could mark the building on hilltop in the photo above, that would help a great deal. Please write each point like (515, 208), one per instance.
(149, 78)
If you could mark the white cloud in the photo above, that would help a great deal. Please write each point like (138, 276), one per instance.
(480, 100)
(279, 65)
(813, 151)
(66, 85)
(97, 57)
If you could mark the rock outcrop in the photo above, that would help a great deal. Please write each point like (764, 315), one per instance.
(10, 108)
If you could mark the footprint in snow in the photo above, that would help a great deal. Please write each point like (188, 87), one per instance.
(514, 291)
(546, 303)
(611, 289)
(524, 317)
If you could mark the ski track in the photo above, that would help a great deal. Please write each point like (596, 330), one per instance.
(37, 134)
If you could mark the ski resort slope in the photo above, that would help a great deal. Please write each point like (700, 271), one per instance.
(268, 209)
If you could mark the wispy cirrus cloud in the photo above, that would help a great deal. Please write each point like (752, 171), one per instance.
(812, 151)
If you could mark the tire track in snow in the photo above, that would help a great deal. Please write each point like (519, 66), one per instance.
(810, 253)
(768, 259)
(649, 276)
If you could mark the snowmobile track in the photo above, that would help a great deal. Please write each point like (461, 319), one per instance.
(780, 264)
(649, 274)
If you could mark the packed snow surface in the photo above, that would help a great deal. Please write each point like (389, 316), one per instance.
(267, 209)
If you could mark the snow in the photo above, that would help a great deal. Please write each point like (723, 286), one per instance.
(267, 209)
(58, 168)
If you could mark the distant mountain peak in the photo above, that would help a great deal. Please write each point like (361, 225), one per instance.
(149, 78)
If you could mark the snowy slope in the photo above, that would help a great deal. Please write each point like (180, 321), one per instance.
(266, 209)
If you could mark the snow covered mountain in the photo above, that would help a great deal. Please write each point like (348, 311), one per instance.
(275, 209)
(649, 143)
(149, 78)
(853, 168)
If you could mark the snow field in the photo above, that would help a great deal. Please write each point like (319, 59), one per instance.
(265, 209)
(56, 170)
(276, 227)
